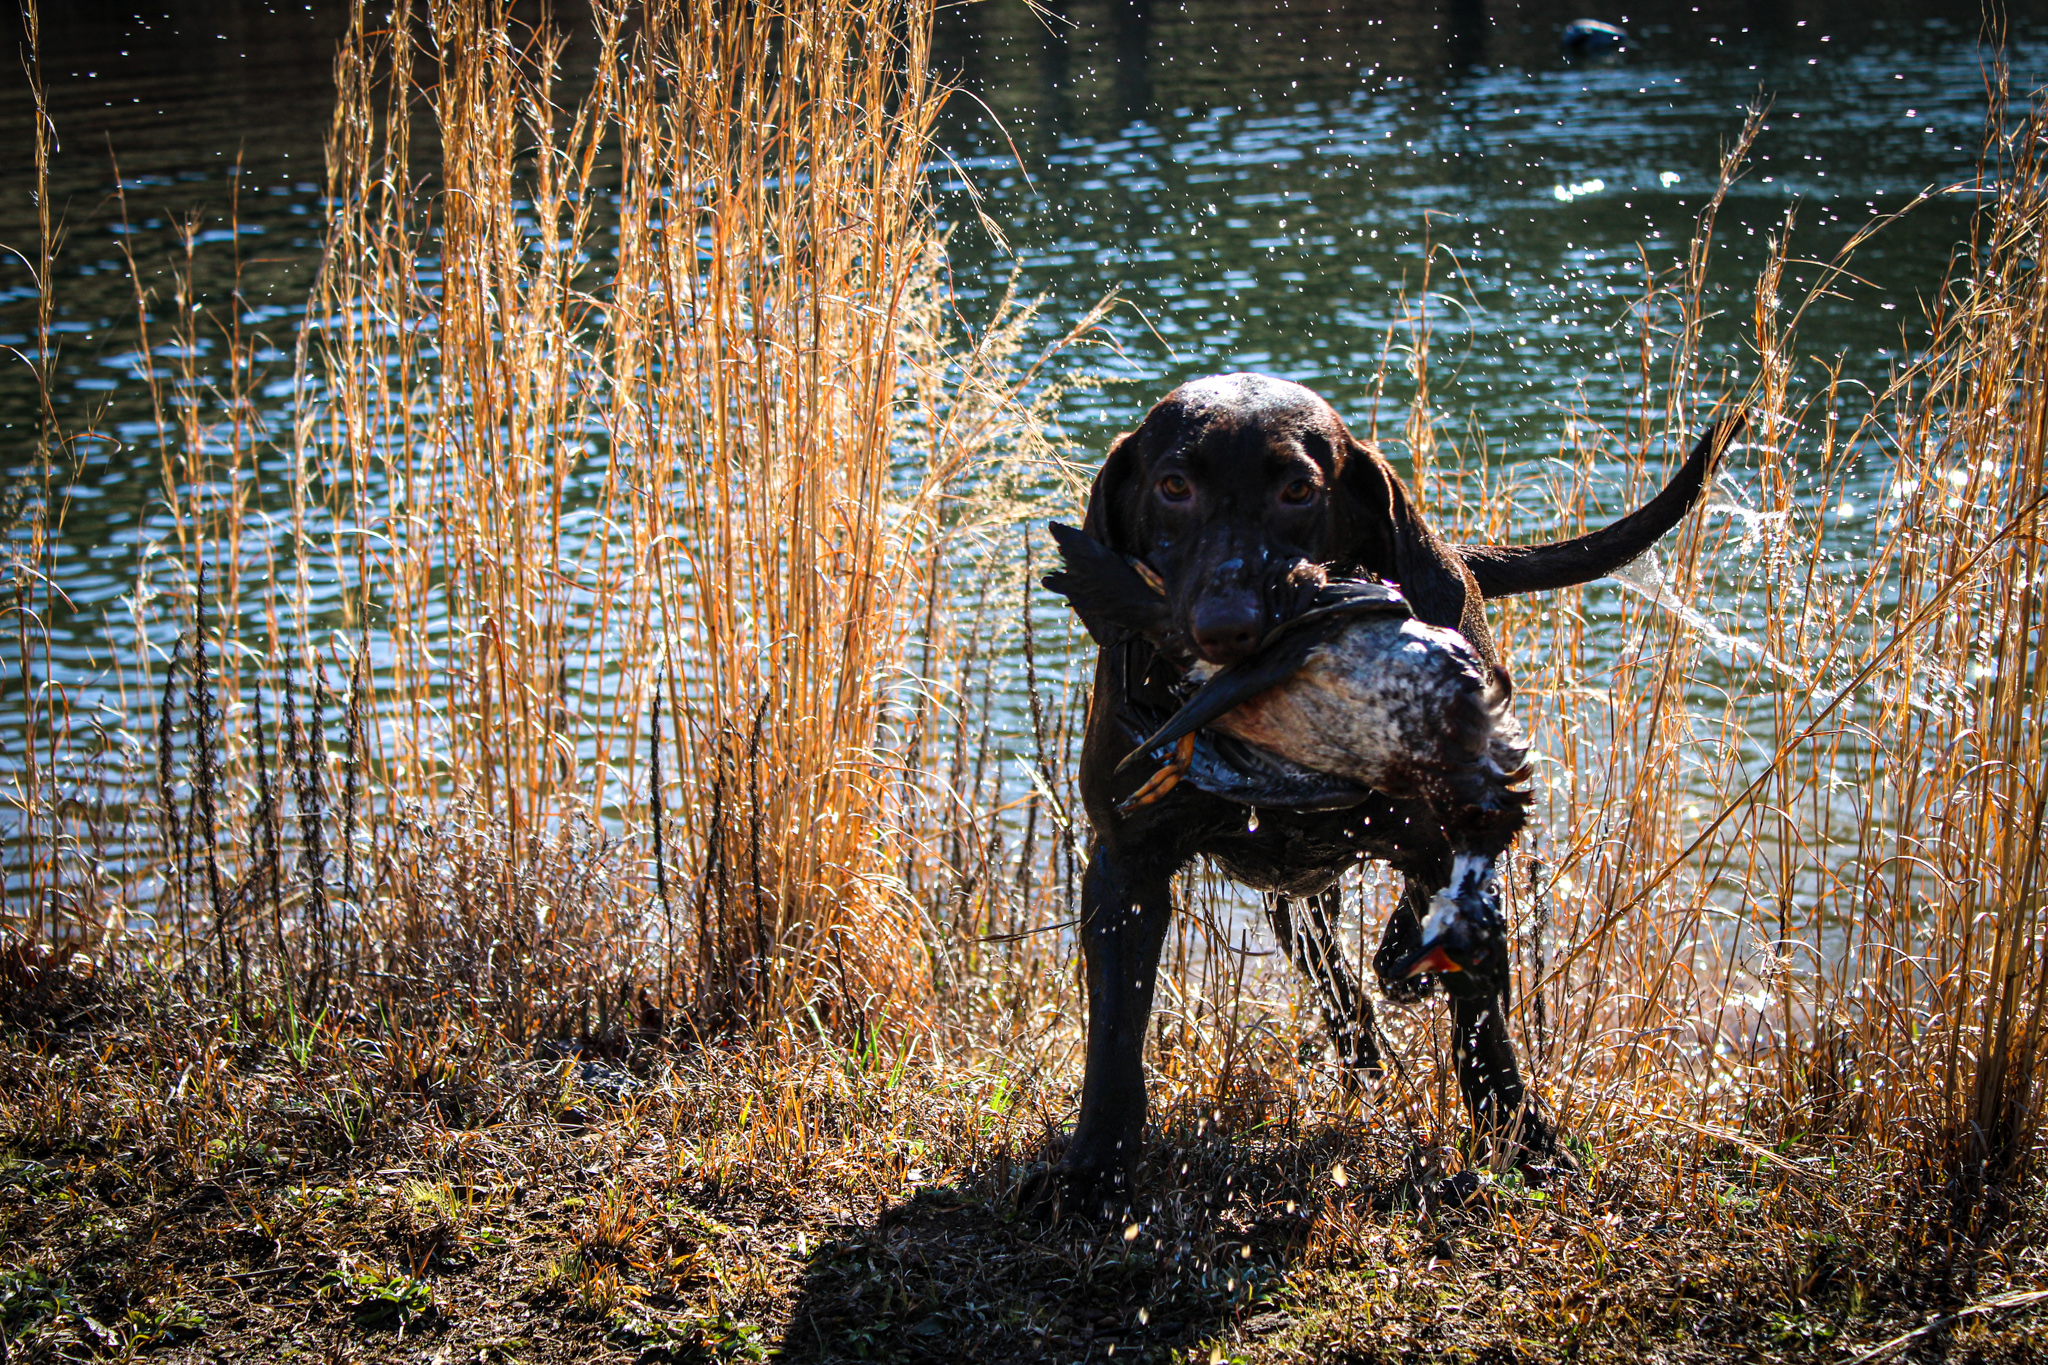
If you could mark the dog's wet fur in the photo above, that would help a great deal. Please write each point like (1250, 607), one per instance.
(1243, 493)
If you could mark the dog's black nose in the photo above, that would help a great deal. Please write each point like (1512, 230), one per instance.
(1226, 628)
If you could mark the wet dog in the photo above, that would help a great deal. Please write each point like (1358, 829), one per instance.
(1234, 498)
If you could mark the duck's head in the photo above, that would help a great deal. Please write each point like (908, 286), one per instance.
(1465, 934)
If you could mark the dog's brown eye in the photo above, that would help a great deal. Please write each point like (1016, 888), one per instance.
(1298, 493)
(1175, 489)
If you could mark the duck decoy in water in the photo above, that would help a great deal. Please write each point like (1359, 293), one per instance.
(1348, 687)
(1592, 35)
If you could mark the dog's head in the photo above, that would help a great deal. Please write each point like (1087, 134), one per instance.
(1240, 490)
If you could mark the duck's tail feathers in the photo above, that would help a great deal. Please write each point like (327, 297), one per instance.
(1113, 599)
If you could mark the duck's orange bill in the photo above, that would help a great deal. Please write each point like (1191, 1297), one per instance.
(1435, 960)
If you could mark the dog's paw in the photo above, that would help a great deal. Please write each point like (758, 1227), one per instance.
(1545, 1157)
(1038, 1196)
(1429, 1194)
(1536, 1152)
(1459, 1191)
(1058, 1193)
(1547, 1171)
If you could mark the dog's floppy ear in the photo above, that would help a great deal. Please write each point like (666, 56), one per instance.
(1383, 532)
(1105, 519)
(1366, 492)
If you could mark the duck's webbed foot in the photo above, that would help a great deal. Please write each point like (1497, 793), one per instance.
(1400, 944)
(1163, 781)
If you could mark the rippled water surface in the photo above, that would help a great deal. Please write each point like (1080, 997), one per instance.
(1262, 187)
(1259, 184)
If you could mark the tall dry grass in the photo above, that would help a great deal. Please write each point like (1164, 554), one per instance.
(726, 396)
(593, 640)
(1790, 878)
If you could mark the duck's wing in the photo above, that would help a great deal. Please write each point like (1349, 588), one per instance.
(1223, 765)
(1280, 655)
(1274, 664)
(1113, 600)
(1345, 597)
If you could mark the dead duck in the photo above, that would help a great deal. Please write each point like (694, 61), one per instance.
(1350, 689)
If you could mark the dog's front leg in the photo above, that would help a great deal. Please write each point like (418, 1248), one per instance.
(1506, 1118)
(1125, 908)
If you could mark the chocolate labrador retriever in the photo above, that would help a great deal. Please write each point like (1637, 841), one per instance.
(1230, 487)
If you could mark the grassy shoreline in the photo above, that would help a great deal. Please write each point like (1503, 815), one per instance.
(186, 1183)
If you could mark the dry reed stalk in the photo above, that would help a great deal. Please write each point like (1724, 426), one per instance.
(32, 895)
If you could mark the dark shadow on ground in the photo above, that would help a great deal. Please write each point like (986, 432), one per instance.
(958, 1274)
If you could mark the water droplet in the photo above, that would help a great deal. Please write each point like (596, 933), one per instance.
(1251, 822)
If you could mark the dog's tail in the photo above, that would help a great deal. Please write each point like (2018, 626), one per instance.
(1503, 570)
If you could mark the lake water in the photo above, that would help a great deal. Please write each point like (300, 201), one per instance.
(1259, 184)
